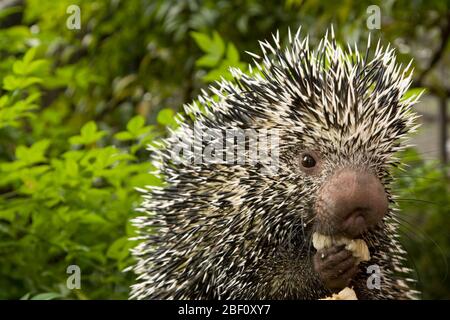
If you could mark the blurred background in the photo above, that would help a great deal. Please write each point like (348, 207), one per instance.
(86, 85)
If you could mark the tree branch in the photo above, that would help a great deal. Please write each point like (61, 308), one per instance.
(445, 35)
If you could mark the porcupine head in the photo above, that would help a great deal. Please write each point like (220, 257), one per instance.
(318, 131)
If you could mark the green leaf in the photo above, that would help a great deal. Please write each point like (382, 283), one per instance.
(202, 40)
(92, 218)
(135, 124)
(119, 249)
(89, 129)
(29, 55)
(37, 67)
(19, 67)
(89, 134)
(26, 82)
(22, 68)
(40, 147)
(213, 46)
(232, 53)
(166, 117)
(218, 47)
(47, 296)
(217, 74)
(34, 154)
(26, 296)
(71, 168)
(11, 82)
(413, 92)
(208, 61)
(124, 136)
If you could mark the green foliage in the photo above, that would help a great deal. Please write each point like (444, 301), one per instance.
(423, 190)
(88, 134)
(21, 95)
(79, 107)
(216, 57)
(42, 296)
(70, 208)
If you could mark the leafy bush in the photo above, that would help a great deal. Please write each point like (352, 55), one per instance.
(423, 195)
(67, 187)
(70, 208)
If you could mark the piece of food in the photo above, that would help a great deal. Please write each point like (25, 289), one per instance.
(359, 249)
(345, 294)
(357, 246)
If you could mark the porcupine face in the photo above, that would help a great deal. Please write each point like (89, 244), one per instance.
(231, 230)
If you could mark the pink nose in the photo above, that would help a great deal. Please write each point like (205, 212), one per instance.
(353, 200)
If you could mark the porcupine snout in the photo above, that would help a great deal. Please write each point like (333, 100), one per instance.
(350, 202)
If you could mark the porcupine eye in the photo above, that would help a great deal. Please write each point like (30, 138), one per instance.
(308, 161)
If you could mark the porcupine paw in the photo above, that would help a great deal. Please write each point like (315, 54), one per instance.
(335, 266)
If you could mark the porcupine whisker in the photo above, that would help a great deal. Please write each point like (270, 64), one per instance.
(413, 262)
(419, 200)
(418, 177)
(424, 236)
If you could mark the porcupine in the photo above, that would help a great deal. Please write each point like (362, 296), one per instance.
(226, 230)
